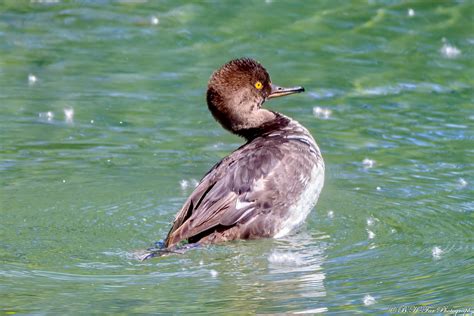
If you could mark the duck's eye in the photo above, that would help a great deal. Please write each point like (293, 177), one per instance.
(258, 85)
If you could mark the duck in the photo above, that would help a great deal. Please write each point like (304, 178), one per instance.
(267, 187)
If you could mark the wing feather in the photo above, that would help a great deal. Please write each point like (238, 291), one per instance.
(226, 195)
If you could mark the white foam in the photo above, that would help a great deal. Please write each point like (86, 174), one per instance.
(371, 234)
(322, 113)
(368, 163)
(284, 258)
(185, 184)
(369, 300)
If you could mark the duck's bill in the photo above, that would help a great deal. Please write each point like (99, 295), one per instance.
(280, 91)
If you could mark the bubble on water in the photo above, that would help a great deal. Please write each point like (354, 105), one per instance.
(331, 214)
(369, 300)
(32, 79)
(214, 273)
(436, 252)
(462, 183)
(411, 12)
(64, 180)
(378, 188)
(154, 20)
(368, 163)
(449, 51)
(92, 121)
(69, 114)
(121, 122)
(322, 113)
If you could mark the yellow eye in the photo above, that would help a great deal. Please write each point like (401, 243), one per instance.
(258, 85)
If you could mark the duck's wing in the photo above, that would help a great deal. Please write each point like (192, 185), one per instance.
(232, 191)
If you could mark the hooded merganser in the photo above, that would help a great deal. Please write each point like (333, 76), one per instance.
(265, 188)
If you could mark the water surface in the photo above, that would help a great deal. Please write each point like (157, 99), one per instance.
(104, 130)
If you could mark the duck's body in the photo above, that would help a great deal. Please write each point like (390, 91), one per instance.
(265, 188)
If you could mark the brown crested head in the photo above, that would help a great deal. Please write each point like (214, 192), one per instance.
(236, 92)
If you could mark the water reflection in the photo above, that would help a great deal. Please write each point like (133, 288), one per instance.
(295, 266)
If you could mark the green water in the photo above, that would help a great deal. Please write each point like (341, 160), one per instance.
(80, 194)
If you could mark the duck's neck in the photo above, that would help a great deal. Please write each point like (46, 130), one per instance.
(274, 122)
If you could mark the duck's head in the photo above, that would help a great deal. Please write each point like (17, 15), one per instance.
(236, 92)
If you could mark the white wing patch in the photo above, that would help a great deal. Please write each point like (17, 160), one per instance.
(241, 204)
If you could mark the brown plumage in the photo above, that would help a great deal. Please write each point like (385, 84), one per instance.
(266, 187)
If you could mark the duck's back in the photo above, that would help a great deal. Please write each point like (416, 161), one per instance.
(265, 188)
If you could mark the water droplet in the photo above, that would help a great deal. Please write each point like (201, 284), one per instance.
(154, 20)
(48, 115)
(69, 114)
(370, 221)
(184, 184)
(369, 300)
(462, 183)
(436, 252)
(32, 79)
(411, 12)
(368, 163)
(449, 51)
(371, 234)
(322, 113)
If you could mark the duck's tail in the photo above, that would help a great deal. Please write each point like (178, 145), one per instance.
(159, 250)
